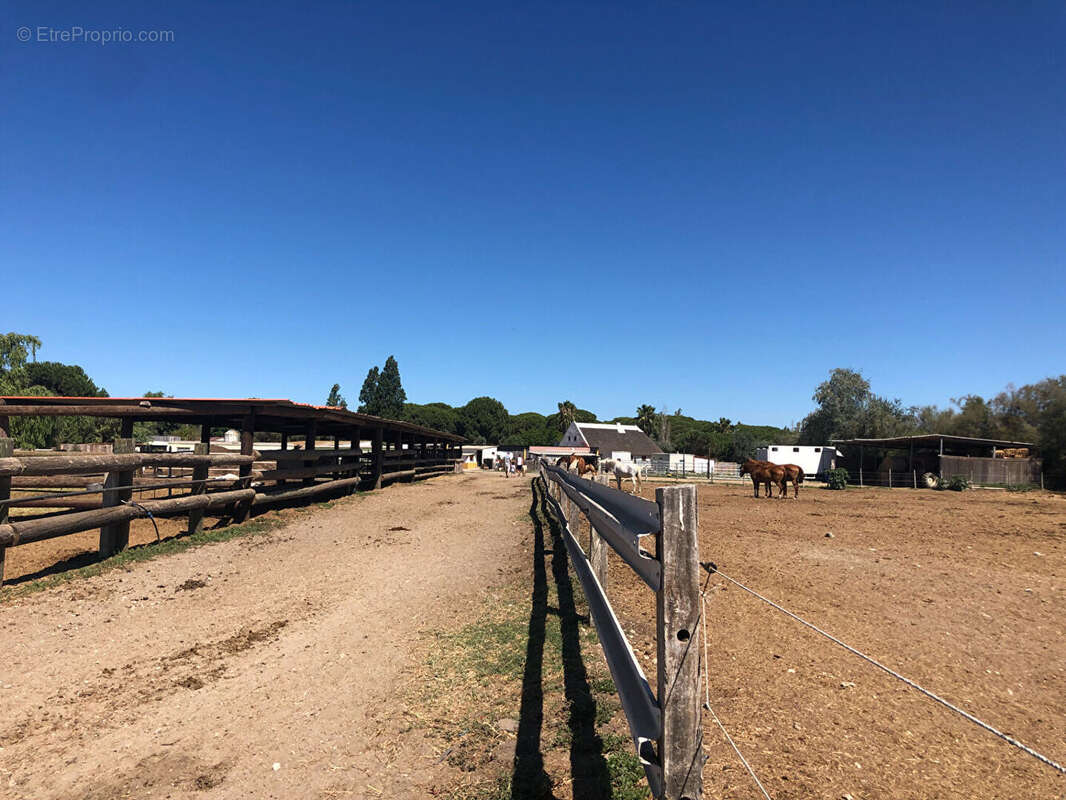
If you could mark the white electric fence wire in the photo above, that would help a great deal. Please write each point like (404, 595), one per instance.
(707, 698)
(965, 714)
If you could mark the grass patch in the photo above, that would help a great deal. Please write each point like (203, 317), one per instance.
(476, 687)
(145, 552)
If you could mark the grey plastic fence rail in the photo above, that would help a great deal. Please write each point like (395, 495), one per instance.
(641, 708)
(621, 539)
(636, 514)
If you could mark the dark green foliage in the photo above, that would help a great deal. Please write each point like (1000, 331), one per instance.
(438, 416)
(368, 394)
(484, 420)
(956, 483)
(335, 398)
(67, 380)
(556, 421)
(847, 409)
(837, 478)
(382, 394)
(530, 429)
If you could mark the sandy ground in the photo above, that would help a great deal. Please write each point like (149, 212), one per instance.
(963, 592)
(268, 667)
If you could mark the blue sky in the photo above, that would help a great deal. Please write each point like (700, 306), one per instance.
(693, 205)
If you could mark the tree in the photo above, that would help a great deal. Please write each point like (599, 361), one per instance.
(646, 419)
(15, 350)
(335, 398)
(390, 394)
(368, 394)
(438, 416)
(67, 380)
(567, 413)
(484, 420)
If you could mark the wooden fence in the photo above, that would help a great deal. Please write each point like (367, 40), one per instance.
(666, 725)
(106, 491)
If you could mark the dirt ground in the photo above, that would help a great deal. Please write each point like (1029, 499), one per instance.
(964, 593)
(270, 666)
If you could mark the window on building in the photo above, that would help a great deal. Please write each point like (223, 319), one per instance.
(817, 449)
(795, 449)
(774, 449)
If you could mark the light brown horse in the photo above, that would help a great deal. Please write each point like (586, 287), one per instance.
(764, 472)
(793, 473)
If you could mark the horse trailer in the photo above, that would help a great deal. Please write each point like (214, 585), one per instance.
(813, 460)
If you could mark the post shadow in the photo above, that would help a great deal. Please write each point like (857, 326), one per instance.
(588, 768)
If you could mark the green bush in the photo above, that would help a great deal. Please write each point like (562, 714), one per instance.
(956, 483)
(837, 478)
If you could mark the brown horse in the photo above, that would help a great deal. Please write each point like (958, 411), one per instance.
(795, 474)
(764, 472)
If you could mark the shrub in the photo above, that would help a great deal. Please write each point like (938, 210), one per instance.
(837, 478)
(956, 483)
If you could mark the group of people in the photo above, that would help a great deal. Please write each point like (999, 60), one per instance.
(510, 463)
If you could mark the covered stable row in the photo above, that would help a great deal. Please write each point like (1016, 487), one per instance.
(926, 457)
(61, 493)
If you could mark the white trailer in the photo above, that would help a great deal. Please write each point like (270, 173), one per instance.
(813, 460)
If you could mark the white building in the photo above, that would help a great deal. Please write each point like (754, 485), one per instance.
(611, 440)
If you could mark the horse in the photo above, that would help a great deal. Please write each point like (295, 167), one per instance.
(577, 464)
(764, 472)
(795, 474)
(625, 469)
(589, 472)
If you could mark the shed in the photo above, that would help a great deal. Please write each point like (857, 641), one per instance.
(936, 455)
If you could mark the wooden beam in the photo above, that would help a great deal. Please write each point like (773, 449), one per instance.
(678, 645)
(89, 464)
(199, 472)
(115, 536)
(7, 447)
(375, 449)
(243, 508)
(16, 533)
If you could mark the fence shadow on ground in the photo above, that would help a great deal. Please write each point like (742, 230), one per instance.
(588, 767)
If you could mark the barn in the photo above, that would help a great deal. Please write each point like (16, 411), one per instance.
(611, 440)
(931, 455)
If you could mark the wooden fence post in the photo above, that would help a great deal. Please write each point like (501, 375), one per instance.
(7, 449)
(243, 509)
(115, 536)
(598, 557)
(199, 473)
(678, 644)
(376, 455)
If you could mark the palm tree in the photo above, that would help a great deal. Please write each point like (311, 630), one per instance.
(647, 419)
(567, 412)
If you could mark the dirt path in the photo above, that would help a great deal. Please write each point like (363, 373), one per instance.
(270, 666)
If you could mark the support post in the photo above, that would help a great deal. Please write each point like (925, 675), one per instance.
(310, 436)
(244, 508)
(115, 536)
(199, 473)
(678, 643)
(7, 449)
(376, 456)
(915, 473)
(598, 557)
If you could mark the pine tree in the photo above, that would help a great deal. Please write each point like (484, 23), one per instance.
(336, 399)
(369, 393)
(390, 395)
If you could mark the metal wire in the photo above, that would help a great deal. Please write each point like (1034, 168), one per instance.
(707, 693)
(135, 504)
(713, 569)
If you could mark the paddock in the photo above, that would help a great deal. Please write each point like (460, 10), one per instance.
(961, 592)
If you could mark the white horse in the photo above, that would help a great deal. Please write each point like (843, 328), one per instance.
(622, 470)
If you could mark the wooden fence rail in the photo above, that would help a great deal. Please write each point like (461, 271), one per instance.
(666, 726)
(107, 491)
